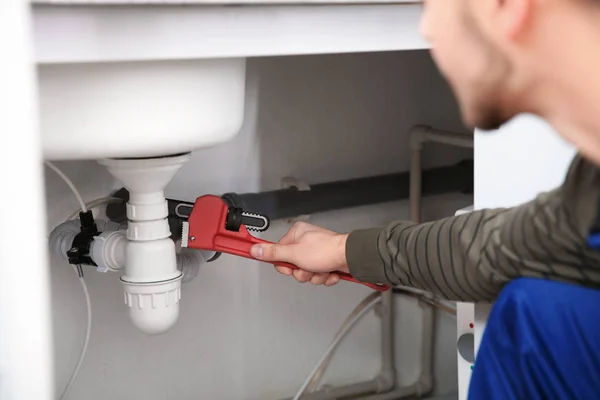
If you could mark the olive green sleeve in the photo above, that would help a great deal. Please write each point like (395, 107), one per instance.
(471, 256)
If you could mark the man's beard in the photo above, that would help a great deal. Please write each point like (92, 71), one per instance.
(487, 112)
(489, 118)
(482, 112)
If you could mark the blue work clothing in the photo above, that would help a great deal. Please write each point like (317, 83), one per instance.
(541, 341)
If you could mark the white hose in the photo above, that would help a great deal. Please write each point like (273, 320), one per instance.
(189, 262)
(60, 241)
(347, 326)
(69, 183)
(314, 381)
(86, 342)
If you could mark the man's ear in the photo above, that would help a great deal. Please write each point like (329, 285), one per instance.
(508, 18)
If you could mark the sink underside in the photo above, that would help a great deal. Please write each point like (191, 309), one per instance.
(139, 109)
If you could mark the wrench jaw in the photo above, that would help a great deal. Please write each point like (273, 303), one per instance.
(212, 218)
(208, 228)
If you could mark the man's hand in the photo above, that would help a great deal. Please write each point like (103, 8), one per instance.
(316, 251)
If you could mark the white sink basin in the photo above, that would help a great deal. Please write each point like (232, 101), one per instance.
(110, 85)
(139, 109)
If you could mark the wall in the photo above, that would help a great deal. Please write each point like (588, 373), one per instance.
(245, 332)
(524, 173)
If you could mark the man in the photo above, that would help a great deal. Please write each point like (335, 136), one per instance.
(502, 58)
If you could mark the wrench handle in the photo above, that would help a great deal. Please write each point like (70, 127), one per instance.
(241, 247)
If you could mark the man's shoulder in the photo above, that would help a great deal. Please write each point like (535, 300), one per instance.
(582, 171)
(580, 193)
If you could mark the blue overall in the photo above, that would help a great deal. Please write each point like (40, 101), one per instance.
(541, 341)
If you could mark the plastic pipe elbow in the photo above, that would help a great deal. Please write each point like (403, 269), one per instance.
(189, 262)
(415, 136)
(424, 385)
(386, 381)
(109, 249)
(61, 238)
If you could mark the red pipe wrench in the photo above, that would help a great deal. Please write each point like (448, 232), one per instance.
(214, 226)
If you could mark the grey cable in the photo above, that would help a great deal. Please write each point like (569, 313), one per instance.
(352, 319)
(69, 183)
(86, 341)
(314, 382)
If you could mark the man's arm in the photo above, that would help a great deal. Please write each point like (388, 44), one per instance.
(470, 257)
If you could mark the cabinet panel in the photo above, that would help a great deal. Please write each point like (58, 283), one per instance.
(513, 165)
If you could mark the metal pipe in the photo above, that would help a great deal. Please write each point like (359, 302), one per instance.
(425, 133)
(366, 302)
(363, 389)
(419, 135)
(425, 381)
(352, 390)
(386, 379)
(399, 393)
(288, 203)
(415, 184)
(424, 384)
(387, 376)
(25, 325)
(416, 192)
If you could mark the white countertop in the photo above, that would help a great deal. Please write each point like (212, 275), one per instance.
(98, 31)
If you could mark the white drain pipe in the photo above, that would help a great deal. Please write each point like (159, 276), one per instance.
(151, 281)
(109, 249)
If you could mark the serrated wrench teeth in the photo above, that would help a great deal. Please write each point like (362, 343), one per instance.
(185, 233)
(255, 222)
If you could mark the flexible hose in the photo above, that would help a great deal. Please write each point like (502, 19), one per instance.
(69, 183)
(427, 298)
(60, 241)
(314, 381)
(86, 342)
(189, 262)
(349, 323)
(367, 303)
